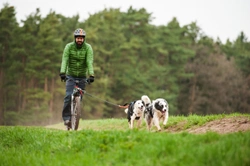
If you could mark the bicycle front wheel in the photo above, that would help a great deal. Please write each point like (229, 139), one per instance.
(75, 117)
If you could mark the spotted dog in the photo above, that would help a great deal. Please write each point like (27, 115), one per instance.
(160, 110)
(135, 112)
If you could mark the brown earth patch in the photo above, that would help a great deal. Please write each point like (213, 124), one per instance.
(221, 126)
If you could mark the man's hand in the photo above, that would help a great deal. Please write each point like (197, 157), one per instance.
(63, 77)
(91, 79)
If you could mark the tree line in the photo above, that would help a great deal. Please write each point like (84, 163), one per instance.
(132, 57)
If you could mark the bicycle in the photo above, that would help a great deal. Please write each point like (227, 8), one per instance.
(75, 108)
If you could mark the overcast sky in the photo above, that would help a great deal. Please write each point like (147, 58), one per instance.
(217, 18)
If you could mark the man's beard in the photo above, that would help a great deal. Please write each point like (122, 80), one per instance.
(79, 44)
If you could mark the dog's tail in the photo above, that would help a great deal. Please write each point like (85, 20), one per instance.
(146, 100)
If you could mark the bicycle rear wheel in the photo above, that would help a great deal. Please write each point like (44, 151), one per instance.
(76, 113)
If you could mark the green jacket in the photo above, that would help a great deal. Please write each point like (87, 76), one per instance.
(77, 62)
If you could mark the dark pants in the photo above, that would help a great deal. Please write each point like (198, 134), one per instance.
(67, 99)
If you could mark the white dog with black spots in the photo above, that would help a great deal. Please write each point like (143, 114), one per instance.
(135, 112)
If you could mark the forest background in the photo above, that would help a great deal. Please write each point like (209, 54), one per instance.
(132, 57)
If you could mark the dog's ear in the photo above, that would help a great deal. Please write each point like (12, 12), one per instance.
(143, 102)
(157, 105)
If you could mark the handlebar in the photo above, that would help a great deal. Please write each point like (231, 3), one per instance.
(85, 81)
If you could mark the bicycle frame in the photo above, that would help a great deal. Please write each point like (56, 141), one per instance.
(75, 105)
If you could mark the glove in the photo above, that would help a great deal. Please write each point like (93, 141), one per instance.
(91, 79)
(63, 77)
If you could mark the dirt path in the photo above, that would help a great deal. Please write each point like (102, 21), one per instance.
(222, 126)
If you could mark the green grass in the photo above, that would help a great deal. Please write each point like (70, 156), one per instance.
(109, 142)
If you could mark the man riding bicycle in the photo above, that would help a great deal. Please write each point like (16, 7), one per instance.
(77, 64)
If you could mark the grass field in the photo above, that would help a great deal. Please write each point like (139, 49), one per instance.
(109, 142)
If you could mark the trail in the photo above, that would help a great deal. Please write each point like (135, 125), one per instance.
(221, 126)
